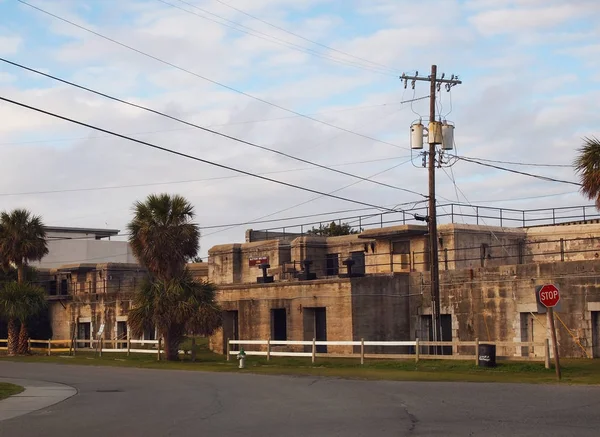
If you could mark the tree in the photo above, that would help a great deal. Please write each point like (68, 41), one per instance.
(176, 307)
(164, 238)
(333, 230)
(18, 302)
(587, 165)
(162, 235)
(22, 240)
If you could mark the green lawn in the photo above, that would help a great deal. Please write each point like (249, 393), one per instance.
(574, 371)
(7, 390)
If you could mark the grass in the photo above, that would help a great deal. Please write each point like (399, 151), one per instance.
(574, 371)
(7, 390)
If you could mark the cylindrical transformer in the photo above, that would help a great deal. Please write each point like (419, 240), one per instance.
(416, 136)
(435, 132)
(447, 136)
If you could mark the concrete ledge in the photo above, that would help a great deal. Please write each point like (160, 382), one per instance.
(37, 395)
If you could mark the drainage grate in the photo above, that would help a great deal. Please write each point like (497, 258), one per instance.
(109, 391)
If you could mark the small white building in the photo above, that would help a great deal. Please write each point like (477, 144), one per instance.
(84, 245)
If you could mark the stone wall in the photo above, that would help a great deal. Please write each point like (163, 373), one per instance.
(498, 303)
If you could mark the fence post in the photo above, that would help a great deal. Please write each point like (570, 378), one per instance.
(416, 350)
(100, 343)
(269, 349)
(547, 354)
(28, 345)
(49, 346)
(159, 345)
(228, 350)
(476, 351)
(362, 351)
(314, 350)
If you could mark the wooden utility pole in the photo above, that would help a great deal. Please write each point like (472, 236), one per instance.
(435, 137)
(550, 315)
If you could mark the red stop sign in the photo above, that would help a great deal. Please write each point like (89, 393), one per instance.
(549, 295)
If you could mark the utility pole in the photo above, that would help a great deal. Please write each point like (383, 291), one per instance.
(434, 138)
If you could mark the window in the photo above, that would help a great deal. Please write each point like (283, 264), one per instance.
(332, 267)
(401, 247)
(279, 324)
(359, 262)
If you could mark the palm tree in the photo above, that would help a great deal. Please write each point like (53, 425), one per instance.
(22, 240)
(162, 235)
(163, 239)
(587, 164)
(176, 307)
(18, 302)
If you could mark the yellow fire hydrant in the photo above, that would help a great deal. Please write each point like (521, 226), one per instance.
(242, 358)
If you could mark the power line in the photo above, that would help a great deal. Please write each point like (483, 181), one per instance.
(273, 39)
(214, 132)
(230, 88)
(185, 155)
(394, 70)
(315, 198)
(520, 163)
(114, 187)
(544, 178)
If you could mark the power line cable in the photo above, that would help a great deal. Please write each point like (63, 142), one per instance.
(185, 155)
(394, 70)
(544, 178)
(517, 163)
(313, 199)
(273, 39)
(114, 187)
(214, 132)
(185, 70)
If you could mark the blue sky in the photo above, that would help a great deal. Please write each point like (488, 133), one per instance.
(530, 93)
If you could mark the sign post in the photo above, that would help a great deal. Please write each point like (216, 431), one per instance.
(549, 296)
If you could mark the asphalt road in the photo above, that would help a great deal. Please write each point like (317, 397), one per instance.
(124, 402)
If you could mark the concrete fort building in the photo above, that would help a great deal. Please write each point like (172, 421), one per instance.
(373, 285)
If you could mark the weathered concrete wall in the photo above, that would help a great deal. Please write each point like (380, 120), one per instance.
(76, 251)
(495, 303)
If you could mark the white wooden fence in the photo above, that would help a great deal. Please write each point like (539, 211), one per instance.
(416, 347)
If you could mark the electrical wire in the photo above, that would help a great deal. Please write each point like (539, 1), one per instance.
(115, 187)
(230, 137)
(517, 163)
(185, 155)
(544, 178)
(215, 82)
(272, 39)
(394, 70)
(311, 200)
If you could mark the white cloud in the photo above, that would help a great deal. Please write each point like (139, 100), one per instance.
(9, 45)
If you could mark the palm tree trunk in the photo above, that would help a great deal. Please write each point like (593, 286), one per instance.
(172, 341)
(23, 345)
(20, 273)
(12, 337)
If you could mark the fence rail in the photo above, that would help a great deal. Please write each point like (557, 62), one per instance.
(417, 349)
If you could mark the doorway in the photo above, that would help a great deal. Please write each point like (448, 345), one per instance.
(315, 326)
(84, 330)
(121, 334)
(230, 329)
(332, 264)
(596, 334)
(279, 324)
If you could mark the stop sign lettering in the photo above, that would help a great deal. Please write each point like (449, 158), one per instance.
(549, 295)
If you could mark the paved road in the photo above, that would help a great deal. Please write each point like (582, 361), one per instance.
(133, 402)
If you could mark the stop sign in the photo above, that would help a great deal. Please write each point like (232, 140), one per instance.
(549, 295)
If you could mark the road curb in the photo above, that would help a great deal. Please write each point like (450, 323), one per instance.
(37, 395)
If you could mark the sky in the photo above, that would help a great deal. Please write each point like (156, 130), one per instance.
(250, 68)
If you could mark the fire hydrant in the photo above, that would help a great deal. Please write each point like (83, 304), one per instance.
(242, 357)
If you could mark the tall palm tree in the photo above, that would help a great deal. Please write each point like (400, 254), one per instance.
(176, 307)
(587, 165)
(22, 240)
(164, 238)
(18, 302)
(34, 303)
(162, 235)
